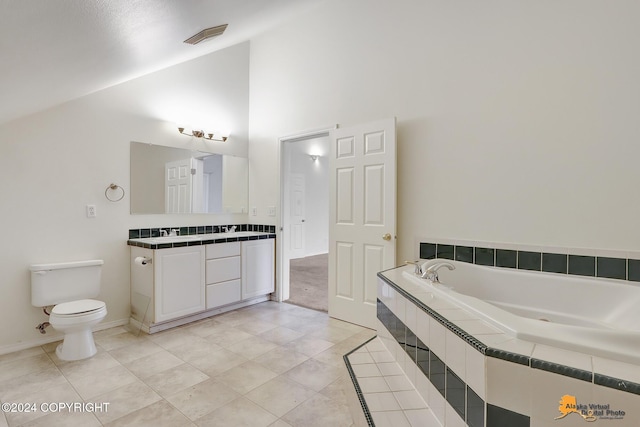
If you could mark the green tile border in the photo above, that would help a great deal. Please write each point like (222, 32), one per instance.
(604, 267)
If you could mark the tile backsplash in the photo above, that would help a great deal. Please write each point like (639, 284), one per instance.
(545, 261)
(137, 233)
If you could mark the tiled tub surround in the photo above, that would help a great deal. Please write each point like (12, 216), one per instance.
(552, 309)
(471, 373)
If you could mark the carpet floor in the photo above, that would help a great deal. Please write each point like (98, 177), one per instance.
(308, 282)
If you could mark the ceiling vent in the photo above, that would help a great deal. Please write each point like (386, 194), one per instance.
(206, 34)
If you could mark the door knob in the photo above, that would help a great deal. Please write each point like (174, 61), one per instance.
(387, 237)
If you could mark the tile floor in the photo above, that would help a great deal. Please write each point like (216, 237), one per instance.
(391, 398)
(266, 365)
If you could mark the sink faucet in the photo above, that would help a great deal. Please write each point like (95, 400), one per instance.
(163, 233)
(174, 232)
(431, 273)
(230, 230)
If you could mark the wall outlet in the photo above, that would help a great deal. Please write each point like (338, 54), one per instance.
(91, 211)
(271, 211)
(254, 211)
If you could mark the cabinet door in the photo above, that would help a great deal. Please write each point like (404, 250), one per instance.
(179, 282)
(257, 268)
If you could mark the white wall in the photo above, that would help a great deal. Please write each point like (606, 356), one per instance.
(235, 189)
(517, 121)
(57, 161)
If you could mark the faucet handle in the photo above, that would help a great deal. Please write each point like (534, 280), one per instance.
(416, 263)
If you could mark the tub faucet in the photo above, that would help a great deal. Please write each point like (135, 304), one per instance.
(431, 273)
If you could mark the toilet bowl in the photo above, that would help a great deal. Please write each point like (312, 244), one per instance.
(69, 287)
(76, 319)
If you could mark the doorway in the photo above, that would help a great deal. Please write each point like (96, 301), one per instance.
(305, 220)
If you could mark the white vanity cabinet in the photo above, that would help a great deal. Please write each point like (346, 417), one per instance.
(179, 282)
(223, 269)
(178, 285)
(258, 268)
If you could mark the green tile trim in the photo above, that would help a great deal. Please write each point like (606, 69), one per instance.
(578, 265)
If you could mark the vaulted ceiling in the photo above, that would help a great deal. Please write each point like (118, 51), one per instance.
(52, 51)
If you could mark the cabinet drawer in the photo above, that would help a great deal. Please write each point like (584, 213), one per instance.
(222, 269)
(223, 293)
(220, 250)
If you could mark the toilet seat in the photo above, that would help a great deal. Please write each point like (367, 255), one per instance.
(77, 308)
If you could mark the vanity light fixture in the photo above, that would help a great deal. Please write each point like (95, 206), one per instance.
(201, 134)
(205, 34)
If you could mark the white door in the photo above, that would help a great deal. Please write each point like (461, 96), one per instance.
(177, 189)
(297, 204)
(362, 219)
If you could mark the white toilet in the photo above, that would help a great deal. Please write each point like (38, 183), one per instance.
(67, 286)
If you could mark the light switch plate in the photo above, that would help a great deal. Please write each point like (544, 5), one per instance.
(272, 211)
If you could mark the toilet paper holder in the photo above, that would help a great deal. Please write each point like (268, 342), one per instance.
(142, 260)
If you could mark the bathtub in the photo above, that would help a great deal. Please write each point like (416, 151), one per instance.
(599, 317)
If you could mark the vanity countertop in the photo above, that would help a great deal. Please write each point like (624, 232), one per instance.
(166, 242)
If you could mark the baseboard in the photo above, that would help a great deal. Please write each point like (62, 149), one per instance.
(49, 338)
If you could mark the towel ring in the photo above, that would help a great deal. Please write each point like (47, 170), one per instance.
(113, 187)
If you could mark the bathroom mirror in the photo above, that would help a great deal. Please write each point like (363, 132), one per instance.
(175, 180)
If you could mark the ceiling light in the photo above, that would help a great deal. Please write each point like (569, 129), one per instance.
(206, 34)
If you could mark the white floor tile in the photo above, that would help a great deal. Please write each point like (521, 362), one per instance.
(201, 373)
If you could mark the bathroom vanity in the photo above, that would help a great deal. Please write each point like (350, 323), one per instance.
(180, 279)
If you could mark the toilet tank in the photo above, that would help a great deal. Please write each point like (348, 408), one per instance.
(62, 282)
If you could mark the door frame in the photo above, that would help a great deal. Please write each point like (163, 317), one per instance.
(282, 264)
